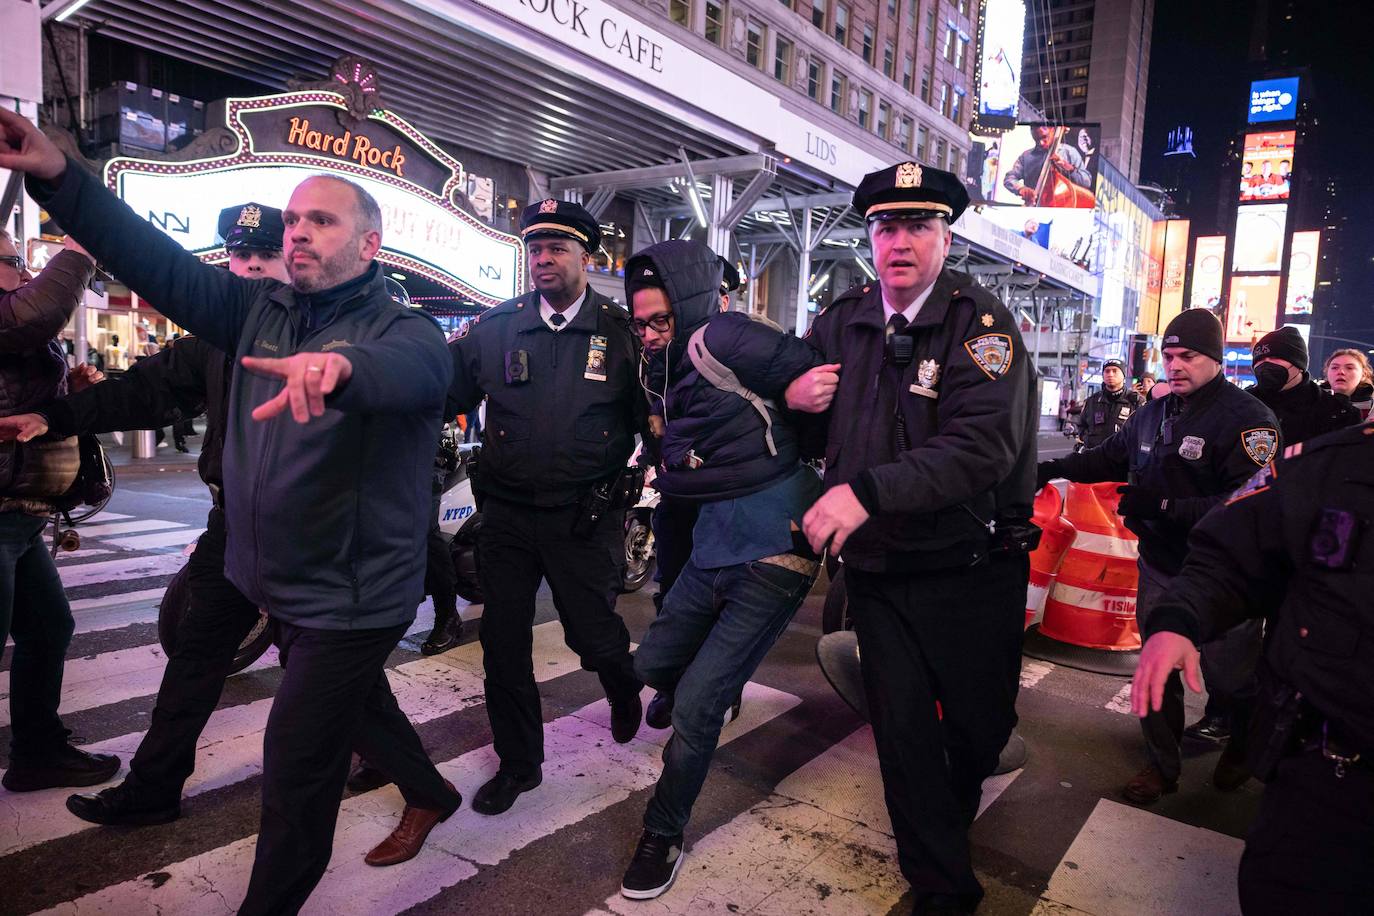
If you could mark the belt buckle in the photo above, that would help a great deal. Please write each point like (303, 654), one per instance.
(1342, 762)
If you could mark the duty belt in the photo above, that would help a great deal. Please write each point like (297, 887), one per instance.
(808, 568)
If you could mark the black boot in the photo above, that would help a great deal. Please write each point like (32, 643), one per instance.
(448, 627)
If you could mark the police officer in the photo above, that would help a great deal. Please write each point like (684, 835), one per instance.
(1304, 410)
(1180, 456)
(930, 467)
(1106, 411)
(559, 369)
(1295, 545)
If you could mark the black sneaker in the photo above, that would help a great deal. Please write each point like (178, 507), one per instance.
(68, 766)
(441, 640)
(1211, 729)
(657, 861)
(500, 792)
(660, 712)
(124, 804)
(625, 718)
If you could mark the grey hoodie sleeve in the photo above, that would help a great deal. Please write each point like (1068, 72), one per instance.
(33, 314)
(406, 369)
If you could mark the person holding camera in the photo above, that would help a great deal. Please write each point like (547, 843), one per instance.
(930, 470)
(558, 368)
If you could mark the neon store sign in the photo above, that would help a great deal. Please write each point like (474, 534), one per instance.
(274, 142)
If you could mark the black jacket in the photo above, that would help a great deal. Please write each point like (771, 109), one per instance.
(1194, 452)
(967, 400)
(1295, 544)
(549, 439)
(1305, 411)
(1105, 412)
(720, 428)
(326, 521)
(188, 378)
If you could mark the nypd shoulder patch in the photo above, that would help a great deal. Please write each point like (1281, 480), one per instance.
(1258, 483)
(1260, 443)
(992, 353)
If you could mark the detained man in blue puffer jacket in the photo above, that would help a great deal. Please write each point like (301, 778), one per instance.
(734, 453)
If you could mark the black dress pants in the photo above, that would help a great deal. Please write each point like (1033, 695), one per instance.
(334, 697)
(519, 546)
(217, 622)
(952, 636)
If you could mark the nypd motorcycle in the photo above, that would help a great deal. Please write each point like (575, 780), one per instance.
(459, 522)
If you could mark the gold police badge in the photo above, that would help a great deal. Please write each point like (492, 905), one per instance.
(549, 206)
(908, 175)
(250, 217)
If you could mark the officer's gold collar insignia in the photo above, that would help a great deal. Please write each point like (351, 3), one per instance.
(908, 175)
(987, 320)
(250, 217)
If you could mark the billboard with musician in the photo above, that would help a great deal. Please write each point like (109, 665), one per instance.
(1049, 165)
(1266, 171)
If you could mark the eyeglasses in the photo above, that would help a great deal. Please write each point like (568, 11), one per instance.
(14, 261)
(659, 323)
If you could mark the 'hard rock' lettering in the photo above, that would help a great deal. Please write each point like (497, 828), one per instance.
(363, 151)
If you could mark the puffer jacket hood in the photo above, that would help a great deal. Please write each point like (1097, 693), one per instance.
(690, 272)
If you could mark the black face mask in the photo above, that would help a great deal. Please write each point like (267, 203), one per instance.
(1271, 377)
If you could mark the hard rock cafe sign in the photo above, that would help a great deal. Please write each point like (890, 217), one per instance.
(268, 145)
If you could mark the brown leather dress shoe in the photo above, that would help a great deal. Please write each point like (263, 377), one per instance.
(1148, 786)
(409, 836)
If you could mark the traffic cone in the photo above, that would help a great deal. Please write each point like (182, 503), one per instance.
(1056, 535)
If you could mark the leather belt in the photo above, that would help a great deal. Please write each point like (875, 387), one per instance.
(808, 568)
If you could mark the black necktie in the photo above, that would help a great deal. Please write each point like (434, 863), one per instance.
(896, 325)
(557, 319)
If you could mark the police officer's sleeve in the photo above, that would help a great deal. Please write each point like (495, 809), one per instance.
(150, 395)
(1236, 565)
(981, 421)
(764, 359)
(465, 390)
(1110, 460)
(1257, 443)
(404, 370)
(209, 301)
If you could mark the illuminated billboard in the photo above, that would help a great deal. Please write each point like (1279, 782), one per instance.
(1066, 233)
(1266, 170)
(1253, 308)
(1302, 273)
(1209, 266)
(1259, 237)
(1175, 266)
(1002, 27)
(1044, 165)
(1273, 100)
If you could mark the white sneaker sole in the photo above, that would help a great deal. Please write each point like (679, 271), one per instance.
(653, 892)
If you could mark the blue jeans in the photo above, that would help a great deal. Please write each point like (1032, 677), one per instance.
(34, 609)
(715, 629)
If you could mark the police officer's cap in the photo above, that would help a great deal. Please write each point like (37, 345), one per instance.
(730, 280)
(251, 226)
(560, 218)
(909, 190)
(1114, 363)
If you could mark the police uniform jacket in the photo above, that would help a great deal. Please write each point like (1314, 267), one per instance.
(1105, 412)
(572, 424)
(1295, 544)
(186, 379)
(1193, 451)
(1306, 411)
(966, 402)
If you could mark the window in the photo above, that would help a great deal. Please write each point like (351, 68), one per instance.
(922, 143)
(1078, 73)
(865, 109)
(930, 26)
(891, 9)
(951, 35)
(814, 77)
(1078, 92)
(955, 104)
(868, 43)
(910, 13)
(884, 119)
(940, 147)
(818, 13)
(889, 61)
(960, 52)
(925, 85)
(954, 157)
(903, 138)
(963, 7)
(681, 12)
(839, 90)
(944, 99)
(755, 37)
(787, 3)
(715, 23)
(782, 59)
(841, 23)
(906, 73)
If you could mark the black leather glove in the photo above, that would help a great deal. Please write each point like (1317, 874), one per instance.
(1046, 471)
(1142, 503)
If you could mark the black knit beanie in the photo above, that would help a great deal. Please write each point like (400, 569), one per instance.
(1285, 343)
(1195, 329)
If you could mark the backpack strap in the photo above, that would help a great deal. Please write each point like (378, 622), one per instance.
(719, 375)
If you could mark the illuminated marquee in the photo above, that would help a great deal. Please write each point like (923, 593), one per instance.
(280, 140)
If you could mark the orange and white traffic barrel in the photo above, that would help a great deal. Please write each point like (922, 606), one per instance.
(1056, 535)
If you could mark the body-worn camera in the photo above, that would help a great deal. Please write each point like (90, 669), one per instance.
(1015, 537)
(900, 349)
(517, 367)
